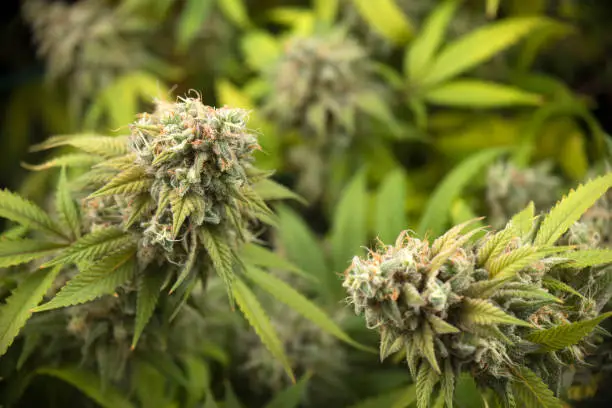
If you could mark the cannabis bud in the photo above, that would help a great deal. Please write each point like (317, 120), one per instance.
(317, 86)
(502, 308)
(510, 189)
(195, 161)
(88, 43)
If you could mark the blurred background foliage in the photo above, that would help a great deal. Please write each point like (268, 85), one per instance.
(384, 115)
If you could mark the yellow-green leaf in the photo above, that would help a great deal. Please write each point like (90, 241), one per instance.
(480, 94)
(387, 18)
(477, 47)
(420, 53)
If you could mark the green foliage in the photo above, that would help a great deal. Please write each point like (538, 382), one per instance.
(437, 210)
(364, 109)
(290, 398)
(565, 335)
(22, 211)
(257, 318)
(102, 277)
(530, 391)
(149, 287)
(18, 307)
(89, 384)
(292, 298)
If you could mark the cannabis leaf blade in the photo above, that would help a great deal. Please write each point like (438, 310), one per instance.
(479, 311)
(89, 384)
(257, 318)
(437, 209)
(100, 278)
(18, 307)
(133, 180)
(149, 286)
(565, 335)
(107, 146)
(25, 212)
(25, 250)
(421, 52)
(588, 257)
(477, 47)
(271, 190)
(570, 209)
(296, 301)
(66, 207)
(93, 245)
(290, 397)
(531, 391)
(220, 254)
(260, 256)
(426, 379)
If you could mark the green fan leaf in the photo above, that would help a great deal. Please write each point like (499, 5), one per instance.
(258, 319)
(587, 257)
(472, 93)
(139, 205)
(389, 343)
(554, 284)
(90, 385)
(425, 343)
(16, 208)
(303, 249)
(296, 301)
(386, 17)
(184, 206)
(93, 245)
(133, 180)
(67, 160)
(192, 18)
(448, 383)
(349, 228)
(220, 254)
(25, 250)
(260, 256)
(106, 146)
(271, 190)
(437, 209)
(292, 396)
(187, 267)
(66, 207)
(506, 265)
(149, 286)
(98, 279)
(390, 216)
(570, 209)
(421, 52)
(426, 380)
(18, 307)
(565, 335)
(480, 311)
(530, 391)
(522, 222)
(477, 47)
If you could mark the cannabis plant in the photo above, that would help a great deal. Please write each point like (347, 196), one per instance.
(322, 86)
(511, 188)
(162, 208)
(87, 44)
(504, 308)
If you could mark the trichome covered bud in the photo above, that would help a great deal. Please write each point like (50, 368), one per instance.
(501, 308)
